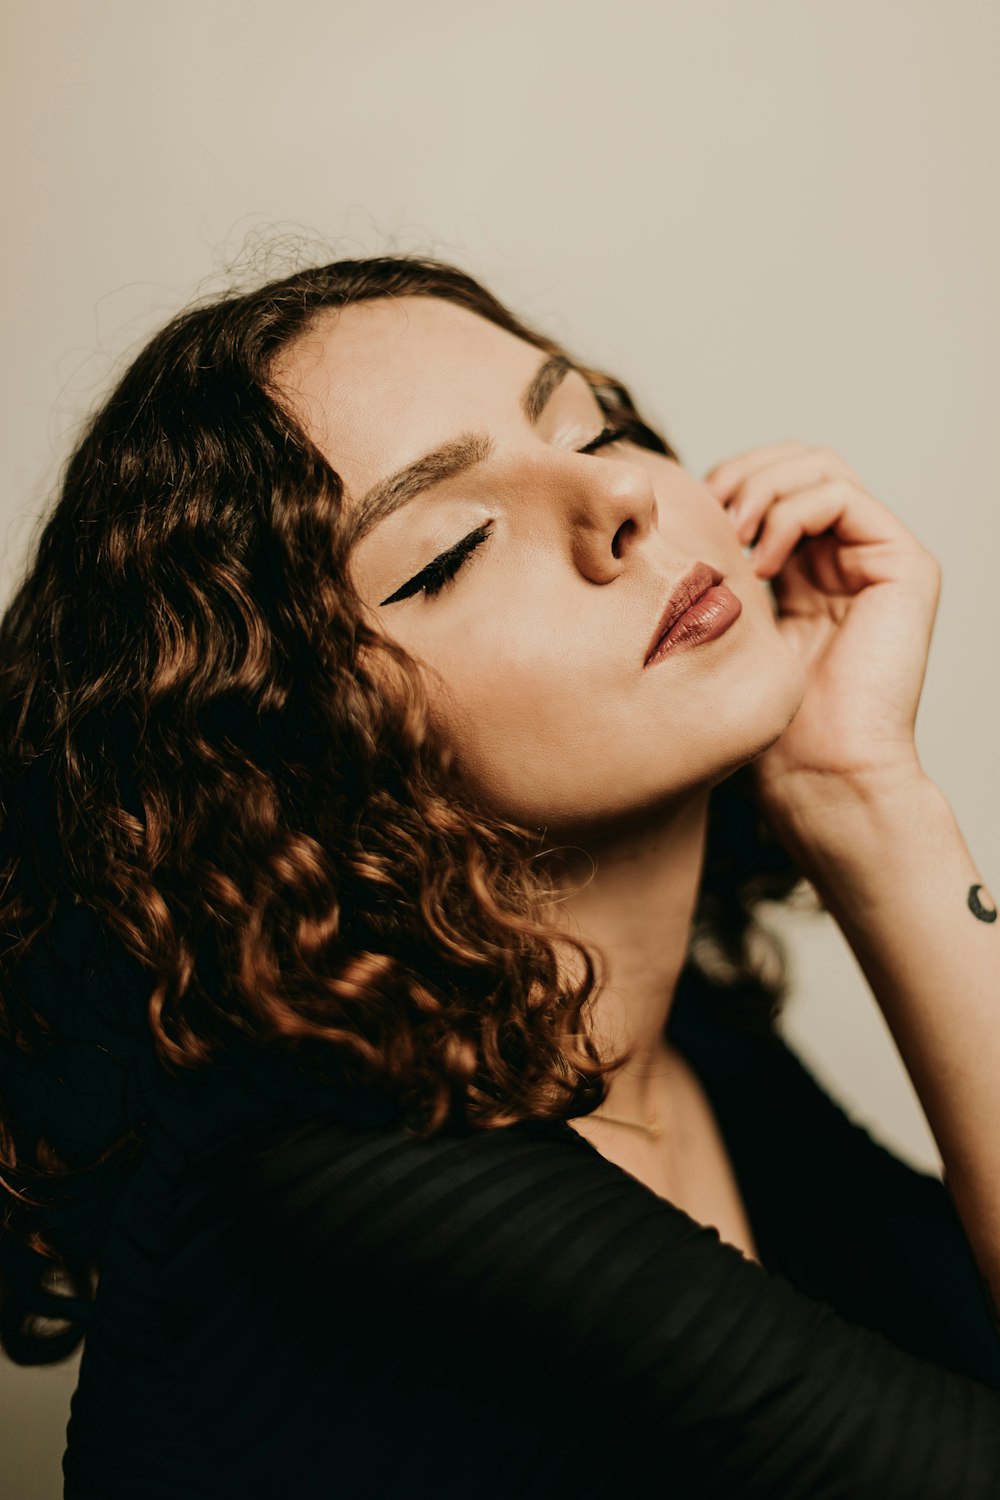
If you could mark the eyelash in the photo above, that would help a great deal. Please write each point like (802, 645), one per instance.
(439, 573)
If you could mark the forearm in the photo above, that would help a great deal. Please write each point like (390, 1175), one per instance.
(894, 871)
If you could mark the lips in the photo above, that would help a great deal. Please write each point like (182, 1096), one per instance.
(691, 587)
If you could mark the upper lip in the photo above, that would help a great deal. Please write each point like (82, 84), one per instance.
(691, 587)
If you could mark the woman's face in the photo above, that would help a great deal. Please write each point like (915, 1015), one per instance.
(537, 644)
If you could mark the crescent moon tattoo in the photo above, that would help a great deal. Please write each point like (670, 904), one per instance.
(984, 913)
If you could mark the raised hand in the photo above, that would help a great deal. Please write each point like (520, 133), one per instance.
(857, 596)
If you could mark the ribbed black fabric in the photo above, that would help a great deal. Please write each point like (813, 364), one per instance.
(331, 1309)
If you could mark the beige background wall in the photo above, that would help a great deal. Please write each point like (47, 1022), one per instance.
(775, 218)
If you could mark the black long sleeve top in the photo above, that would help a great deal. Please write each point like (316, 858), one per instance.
(333, 1309)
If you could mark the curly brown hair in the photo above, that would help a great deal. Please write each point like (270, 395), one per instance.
(193, 751)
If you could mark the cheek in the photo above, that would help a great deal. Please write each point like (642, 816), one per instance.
(501, 701)
(562, 737)
(518, 723)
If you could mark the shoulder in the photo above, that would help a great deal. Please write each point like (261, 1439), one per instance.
(520, 1264)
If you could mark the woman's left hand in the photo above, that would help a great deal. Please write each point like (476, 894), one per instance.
(857, 595)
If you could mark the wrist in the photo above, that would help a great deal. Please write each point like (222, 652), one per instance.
(841, 829)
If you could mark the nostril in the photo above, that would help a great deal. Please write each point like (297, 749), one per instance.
(616, 542)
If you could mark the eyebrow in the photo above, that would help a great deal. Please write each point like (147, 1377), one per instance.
(454, 457)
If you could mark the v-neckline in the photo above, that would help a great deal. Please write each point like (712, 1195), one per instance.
(720, 1057)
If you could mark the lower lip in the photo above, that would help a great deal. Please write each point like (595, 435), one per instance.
(709, 616)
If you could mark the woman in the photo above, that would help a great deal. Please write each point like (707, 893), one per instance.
(396, 741)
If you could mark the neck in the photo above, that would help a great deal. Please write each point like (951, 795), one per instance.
(632, 894)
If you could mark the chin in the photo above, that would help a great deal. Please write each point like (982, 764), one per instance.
(775, 698)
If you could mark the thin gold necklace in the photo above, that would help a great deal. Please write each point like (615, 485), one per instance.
(653, 1127)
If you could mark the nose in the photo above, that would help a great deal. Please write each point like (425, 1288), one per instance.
(611, 508)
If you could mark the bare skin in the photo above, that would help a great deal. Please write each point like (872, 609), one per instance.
(535, 649)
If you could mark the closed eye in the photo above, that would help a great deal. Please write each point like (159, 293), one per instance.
(439, 573)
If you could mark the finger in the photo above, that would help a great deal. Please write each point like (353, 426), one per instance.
(853, 515)
(723, 477)
(816, 565)
(757, 491)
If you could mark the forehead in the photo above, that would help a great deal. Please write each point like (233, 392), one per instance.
(381, 381)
